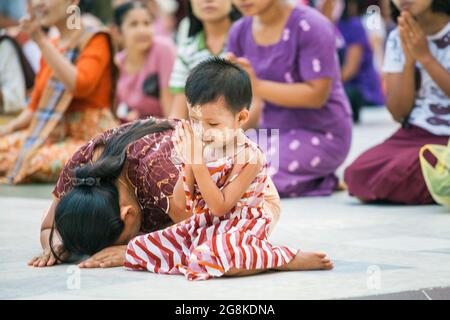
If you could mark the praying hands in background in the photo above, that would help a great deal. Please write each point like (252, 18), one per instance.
(413, 39)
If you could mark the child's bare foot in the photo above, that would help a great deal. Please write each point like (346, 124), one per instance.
(309, 261)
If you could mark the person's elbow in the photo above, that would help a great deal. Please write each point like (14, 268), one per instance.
(321, 100)
(397, 118)
(178, 211)
(321, 90)
(395, 109)
(219, 210)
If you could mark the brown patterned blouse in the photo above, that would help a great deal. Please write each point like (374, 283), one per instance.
(150, 169)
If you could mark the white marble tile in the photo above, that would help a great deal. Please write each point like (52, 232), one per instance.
(404, 243)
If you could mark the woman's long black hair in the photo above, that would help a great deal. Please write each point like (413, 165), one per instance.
(436, 6)
(195, 25)
(88, 217)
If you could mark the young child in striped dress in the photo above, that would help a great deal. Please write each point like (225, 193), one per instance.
(222, 182)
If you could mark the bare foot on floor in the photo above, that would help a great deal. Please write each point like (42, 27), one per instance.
(310, 261)
(342, 186)
(363, 200)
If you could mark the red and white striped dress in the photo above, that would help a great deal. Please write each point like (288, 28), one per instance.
(205, 246)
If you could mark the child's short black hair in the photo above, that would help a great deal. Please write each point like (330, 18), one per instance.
(442, 6)
(215, 78)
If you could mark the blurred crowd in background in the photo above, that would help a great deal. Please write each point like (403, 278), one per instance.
(73, 69)
(174, 22)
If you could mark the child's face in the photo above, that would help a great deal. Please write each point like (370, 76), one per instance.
(216, 124)
(415, 7)
(252, 7)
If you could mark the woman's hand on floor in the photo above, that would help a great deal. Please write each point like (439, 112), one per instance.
(107, 258)
(4, 130)
(47, 259)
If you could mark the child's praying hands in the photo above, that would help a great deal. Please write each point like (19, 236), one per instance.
(188, 144)
(414, 41)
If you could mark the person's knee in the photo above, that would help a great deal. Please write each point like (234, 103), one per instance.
(353, 172)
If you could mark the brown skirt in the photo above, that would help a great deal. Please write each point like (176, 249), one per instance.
(391, 171)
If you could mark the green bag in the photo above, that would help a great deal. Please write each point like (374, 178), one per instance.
(437, 178)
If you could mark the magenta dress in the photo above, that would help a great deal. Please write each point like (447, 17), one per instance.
(312, 143)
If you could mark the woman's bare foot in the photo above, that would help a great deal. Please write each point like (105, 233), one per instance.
(342, 186)
(309, 261)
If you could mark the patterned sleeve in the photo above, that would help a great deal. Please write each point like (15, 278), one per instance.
(394, 58)
(318, 55)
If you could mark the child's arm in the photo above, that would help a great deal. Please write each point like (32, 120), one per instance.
(222, 201)
(179, 195)
(180, 146)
